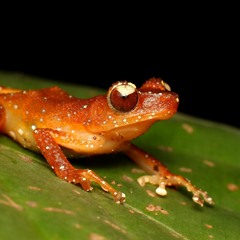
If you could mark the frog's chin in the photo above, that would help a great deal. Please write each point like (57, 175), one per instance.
(133, 130)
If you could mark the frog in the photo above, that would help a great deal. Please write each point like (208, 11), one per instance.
(61, 126)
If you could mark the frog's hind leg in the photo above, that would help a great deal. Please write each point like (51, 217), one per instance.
(163, 177)
(63, 169)
(2, 117)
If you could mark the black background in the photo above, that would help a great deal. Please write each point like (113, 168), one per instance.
(196, 54)
(205, 91)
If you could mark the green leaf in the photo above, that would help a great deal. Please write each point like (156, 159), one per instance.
(35, 204)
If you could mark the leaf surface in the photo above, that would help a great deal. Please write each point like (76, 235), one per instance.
(35, 204)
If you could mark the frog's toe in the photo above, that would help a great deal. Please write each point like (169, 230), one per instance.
(154, 180)
(119, 197)
(201, 196)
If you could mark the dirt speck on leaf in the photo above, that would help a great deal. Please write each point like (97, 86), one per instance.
(208, 226)
(77, 192)
(77, 225)
(131, 211)
(183, 203)
(151, 193)
(32, 204)
(209, 163)
(116, 227)
(94, 236)
(137, 170)
(165, 148)
(156, 208)
(184, 169)
(232, 187)
(34, 188)
(25, 158)
(127, 178)
(188, 128)
(58, 210)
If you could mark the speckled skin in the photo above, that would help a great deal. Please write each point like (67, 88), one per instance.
(56, 124)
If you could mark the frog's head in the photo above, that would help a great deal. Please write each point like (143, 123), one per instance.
(153, 100)
(131, 111)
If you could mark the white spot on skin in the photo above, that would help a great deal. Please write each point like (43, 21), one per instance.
(85, 106)
(166, 86)
(20, 131)
(62, 167)
(43, 110)
(15, 106)
(12, 134)
(41, 119)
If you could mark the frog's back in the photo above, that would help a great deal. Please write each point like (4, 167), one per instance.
(22, 111)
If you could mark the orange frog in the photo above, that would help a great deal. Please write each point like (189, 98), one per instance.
(56, 124)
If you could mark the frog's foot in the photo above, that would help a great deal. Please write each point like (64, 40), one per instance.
(199, 196)
(85, 176)
(163, 177)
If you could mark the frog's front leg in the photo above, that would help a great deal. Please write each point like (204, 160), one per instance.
(162, 177)
(63, 169)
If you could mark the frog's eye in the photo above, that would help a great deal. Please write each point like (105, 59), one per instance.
(123, 97)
